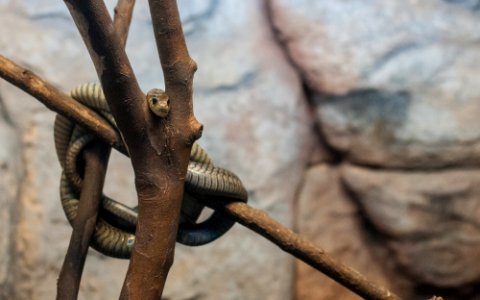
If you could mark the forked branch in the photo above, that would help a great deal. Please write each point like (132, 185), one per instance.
(96, 161)
(159, 147)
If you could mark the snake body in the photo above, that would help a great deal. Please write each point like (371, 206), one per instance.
(115, 228)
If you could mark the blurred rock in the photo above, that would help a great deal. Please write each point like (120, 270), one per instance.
(431, 219)
(10, 174)
(329, 218)
(394, 81)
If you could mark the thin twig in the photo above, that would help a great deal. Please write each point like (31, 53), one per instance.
(58, 102)
(122, 19)
(96, 161)
(290, 242)
(159, 147)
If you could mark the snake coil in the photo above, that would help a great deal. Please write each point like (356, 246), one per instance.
(114, 233)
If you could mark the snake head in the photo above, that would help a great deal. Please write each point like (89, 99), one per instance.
(158, 102)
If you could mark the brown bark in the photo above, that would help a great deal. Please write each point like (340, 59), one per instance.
(159, 147)
(290, 242)
(122, 19)
(96, 161)
(58, 101)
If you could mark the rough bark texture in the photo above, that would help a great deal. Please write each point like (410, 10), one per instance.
(305, 251)
(96, 161)
(390, 84)
(159, 147)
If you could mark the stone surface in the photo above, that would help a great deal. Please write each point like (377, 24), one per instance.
(394, 80)
(327, 216)
(431, 219)
(10, 174)
(256, 123)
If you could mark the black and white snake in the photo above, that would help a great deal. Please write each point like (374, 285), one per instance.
(115, 228)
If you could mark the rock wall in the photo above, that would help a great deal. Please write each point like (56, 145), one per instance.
(353, 122)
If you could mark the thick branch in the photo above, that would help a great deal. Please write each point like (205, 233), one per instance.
(119, 84)
(96, 161)
(290, 242)
(159, 147)
(58, 101)
(122, 19)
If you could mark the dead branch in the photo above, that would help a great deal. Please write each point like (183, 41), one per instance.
(159, 147)
(306, 251)
(57, 101)
(122, 19)
(96, 161)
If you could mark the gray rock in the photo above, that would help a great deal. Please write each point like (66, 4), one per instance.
(430, 219)
(394, 81)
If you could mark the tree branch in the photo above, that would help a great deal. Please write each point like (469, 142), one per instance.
(159, 147)
(96, 161)
(59, 102)
(122, 19)
(306, 251)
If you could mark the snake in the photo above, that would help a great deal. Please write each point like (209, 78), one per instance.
(114, 233)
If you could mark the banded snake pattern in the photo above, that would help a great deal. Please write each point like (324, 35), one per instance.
(115, 229)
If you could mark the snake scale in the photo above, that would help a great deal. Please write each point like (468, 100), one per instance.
(115, 229)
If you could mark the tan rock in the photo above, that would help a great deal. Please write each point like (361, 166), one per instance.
(328, 217)
(431, 219)
(10, 174)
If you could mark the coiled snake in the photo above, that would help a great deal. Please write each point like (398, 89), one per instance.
(115, 228)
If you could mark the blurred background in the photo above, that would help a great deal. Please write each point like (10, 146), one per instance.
(354, 122)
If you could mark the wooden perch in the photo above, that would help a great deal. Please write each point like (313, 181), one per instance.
(58, 101)
(159, 147)
(122, 19)
(96, 161)
(306, 251)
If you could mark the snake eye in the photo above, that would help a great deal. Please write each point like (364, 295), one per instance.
(154, 100)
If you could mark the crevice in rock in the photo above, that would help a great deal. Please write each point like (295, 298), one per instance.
(473, 5)
(194, 22)
(247, 80)
(4, 114)
(296, 199)
(333, 156)
(280, 41)
(413, 168)
(380, 248)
